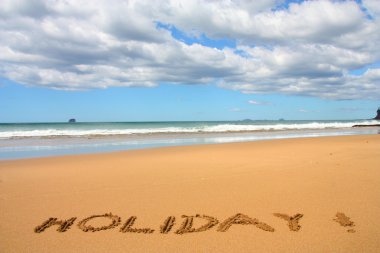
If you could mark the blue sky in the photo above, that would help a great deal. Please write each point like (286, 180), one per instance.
(168, 103)
(226, 60)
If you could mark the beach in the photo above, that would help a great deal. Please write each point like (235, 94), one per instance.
(292, 195)
(30, 140)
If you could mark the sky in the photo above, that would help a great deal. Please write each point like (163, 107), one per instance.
(175, 60)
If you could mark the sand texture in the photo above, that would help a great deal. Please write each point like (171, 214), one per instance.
(295, 195)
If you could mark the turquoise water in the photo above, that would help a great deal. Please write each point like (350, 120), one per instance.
(23, 140)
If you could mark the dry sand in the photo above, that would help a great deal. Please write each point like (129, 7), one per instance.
(296, 195)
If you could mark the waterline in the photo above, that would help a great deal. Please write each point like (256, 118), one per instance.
(17, 148)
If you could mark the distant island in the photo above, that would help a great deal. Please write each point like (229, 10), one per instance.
(371, 125)
(72, 121)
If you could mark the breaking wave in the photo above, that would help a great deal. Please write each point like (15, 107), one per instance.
(69, 130)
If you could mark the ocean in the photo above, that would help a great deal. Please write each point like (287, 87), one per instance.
(25, 140)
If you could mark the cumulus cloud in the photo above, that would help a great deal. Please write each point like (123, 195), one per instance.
(308, 48)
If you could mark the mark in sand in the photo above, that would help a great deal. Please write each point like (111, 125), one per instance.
(115, 222)
(190, 223)
(168, 225)
(127, 227)
(345, 221)
(243, 220)
(292, 220)
(187, 224)
(64, 225)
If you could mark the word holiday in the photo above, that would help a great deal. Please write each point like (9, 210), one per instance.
(187, 224)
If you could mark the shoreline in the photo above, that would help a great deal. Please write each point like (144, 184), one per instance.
(293, 195)
(196, 145)
(20, 148)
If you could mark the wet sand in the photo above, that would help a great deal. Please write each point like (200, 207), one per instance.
(294, 195)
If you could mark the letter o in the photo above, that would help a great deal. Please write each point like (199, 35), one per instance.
(114, 218)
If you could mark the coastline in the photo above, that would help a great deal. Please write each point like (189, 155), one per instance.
(45, 146)
(317, 178)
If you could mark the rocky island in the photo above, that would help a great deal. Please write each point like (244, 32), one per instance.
(371, 125)
(378, 114)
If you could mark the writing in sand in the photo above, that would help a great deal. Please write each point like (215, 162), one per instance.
(186, 226)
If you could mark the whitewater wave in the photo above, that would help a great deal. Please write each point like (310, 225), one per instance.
(220, 128)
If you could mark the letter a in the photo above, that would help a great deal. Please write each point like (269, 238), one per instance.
(243, 219)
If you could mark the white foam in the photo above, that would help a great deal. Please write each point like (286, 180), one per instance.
(201, 129)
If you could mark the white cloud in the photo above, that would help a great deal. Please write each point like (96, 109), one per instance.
(306, 49)
(372, 6)
(309, 21)
(254, 102)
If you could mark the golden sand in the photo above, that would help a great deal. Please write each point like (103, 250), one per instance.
(295, 195)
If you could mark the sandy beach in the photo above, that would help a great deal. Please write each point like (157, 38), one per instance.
(294, 195)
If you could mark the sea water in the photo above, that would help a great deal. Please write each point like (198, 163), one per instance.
(23, 140)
